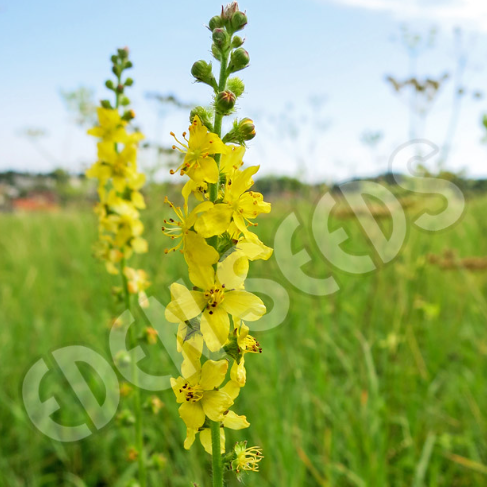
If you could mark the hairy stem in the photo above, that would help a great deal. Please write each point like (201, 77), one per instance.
(139, 439)
(215, 425)
(216, 455)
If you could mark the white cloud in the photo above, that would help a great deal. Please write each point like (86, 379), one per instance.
(467, 13)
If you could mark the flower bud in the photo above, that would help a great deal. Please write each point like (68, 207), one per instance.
(128, 65)
(236, 86)
(215, 22)
(203, 73)
(125, 418)
(238, 21)
(123, 53)
(157, 461)
(246, 128)
(225, 101)
(221, 38)
(109, 84)
(229, 10)
(204, 115)
(241, 132)
(128, 115)
(129, 82)
(114, 59)
(124, 101)
(239, 59)
(106, 104)
(216, 52)
(237, 42)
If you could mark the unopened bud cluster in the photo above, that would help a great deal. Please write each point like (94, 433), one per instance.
(226, 48)
(120, 63)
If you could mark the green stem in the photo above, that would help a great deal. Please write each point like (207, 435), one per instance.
(216, 454)
(213, 241)
(217, 126)
(139, 439)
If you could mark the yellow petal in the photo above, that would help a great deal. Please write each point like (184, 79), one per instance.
(238, 372)
(192, 414)
(139, 245)
(191, 350)
(232, 388)
(215, 328)
(190, 437)
(215, 403)
(177, 385)
(184, 305)
(233, 271)
(202, 276)
(235, 422)
(253, 248)
(215, 221)
(197, 251)
(244, 305)
(205, 438)
(213, 374)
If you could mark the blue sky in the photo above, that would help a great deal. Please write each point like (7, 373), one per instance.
(334, 53)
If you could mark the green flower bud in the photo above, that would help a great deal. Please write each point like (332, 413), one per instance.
(128, 65)
(229, 10)
(106, 104)
(225, 101)
(124, 101)
(129, 82)
(236, 86)
(246, 128)
(125, 418)
(109, 84)
(237, 42)
(117, 70)
(216, 52)
(120, 88)
(122, 359)
(241, 132)
(239, 60)
(128, 115)
(238, 21)
(157, 461)
(221, 38)
(215, 22)
(204, 115)
(114, 59)
(203, 73)
(123, 53)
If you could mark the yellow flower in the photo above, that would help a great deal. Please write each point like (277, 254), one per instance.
(246, 344)
(232, 161)
(120, 166)
(231, 420)
(180, 227)
(137, 280)
(198, 163)
(124, 223)
(222, 294)
(199, 190)
(111, 126)
(246, 458)
(198, 395)
(238, 205)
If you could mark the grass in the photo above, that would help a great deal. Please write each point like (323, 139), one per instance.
(380, 384)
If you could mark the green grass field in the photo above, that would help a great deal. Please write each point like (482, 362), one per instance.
(380, 384)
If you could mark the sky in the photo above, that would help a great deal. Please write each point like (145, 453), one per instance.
(315, 85)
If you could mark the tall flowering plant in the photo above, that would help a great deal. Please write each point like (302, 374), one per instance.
(212, 228)
(120, 228)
